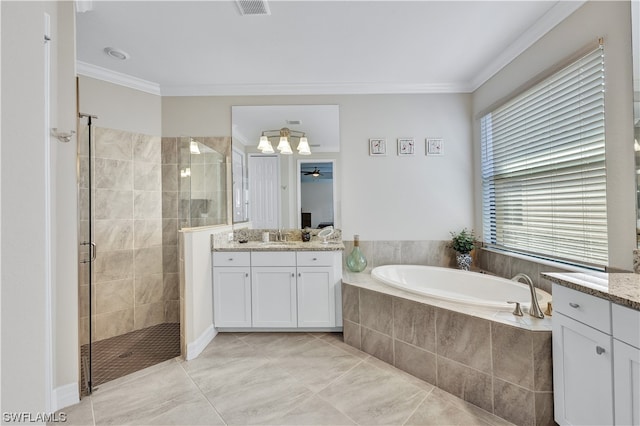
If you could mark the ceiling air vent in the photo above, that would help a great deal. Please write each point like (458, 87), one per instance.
(253, 7)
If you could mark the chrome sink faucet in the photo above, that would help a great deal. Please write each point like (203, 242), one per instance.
(534, 309)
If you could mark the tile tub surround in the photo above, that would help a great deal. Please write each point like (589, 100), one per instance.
(275, 379)
(499, 364)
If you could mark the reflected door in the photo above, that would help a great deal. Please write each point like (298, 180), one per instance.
(264, 194)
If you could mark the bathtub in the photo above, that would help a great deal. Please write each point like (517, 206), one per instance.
(456, 286)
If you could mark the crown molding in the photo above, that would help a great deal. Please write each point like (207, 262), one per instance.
(100, 73)
(313, 89)
(546, 23)
(553, 17)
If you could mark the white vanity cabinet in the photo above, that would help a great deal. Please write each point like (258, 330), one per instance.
(232, 289)
(582, 358)
(626, 362)
(277, 290)
(273, 289)
(316, 286)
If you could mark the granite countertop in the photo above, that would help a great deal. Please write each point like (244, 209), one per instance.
(279, 246)
(620, 288)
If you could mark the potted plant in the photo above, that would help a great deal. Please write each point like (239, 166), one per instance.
(463, 242)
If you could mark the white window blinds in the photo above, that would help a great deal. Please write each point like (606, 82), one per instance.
(543, 168)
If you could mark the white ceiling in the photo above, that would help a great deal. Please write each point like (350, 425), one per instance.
(309, 47)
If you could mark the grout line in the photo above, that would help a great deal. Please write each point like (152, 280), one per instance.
(418, 406)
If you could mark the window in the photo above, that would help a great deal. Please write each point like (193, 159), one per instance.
(543, 168)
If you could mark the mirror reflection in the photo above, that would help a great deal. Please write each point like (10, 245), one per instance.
(203, 181)
(635, 34)
(316, 191)
(267, 192)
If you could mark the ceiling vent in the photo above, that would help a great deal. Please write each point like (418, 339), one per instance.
(294, 122)
(253, 7)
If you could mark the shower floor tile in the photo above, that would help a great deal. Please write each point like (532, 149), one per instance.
(122, 355)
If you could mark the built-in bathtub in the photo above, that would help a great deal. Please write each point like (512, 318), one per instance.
(476, 350)
(463, 287)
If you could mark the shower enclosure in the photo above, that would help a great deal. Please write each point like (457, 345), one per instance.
(133, 199)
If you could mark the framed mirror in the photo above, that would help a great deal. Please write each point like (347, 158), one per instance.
(635, 42)
(319, 124)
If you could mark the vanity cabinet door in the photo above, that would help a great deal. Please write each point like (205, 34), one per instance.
(626, 370)
(232, 296)
(316, 297)
(273, 297)
(582, 373)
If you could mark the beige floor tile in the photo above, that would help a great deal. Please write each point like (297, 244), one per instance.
(258, 397)
(314, 411)
(316, 364)
(80, 414)
(369, 395)
(190, 410)
(276, 378)
(275, 345)
(145, 397)
(437, 411)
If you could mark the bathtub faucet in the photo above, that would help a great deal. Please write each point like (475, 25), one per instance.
(534, 309)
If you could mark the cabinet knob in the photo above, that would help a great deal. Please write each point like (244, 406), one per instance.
(574, 305)
(299, 274)
(293, 275)
(231, 259)
(246, 274)
(315, 258)
(600, 350)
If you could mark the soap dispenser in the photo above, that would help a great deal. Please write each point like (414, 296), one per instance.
(356, 262)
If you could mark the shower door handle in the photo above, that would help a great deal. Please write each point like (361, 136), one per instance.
(92, 251)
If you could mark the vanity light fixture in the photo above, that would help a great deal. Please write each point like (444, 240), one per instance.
(284, 136)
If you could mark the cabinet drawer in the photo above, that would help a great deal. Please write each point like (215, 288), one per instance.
(273, 258)
(587, 309)
(626, 325)
(315, 258)
(231, 258)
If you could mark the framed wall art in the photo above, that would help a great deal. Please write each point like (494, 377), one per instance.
(434, 146)
(377, 146)
(406, 146)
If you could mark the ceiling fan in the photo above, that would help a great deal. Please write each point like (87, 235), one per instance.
(314, 173)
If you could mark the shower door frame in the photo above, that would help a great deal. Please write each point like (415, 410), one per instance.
(86, 365)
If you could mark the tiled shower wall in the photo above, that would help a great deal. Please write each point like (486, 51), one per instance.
(183, 201)
(127, 208)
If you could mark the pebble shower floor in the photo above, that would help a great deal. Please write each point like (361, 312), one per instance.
(121, 355)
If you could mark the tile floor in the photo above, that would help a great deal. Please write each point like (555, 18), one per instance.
(275, 379)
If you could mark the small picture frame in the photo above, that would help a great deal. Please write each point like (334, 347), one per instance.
(377, 146)
(434, 146)
(406, 146)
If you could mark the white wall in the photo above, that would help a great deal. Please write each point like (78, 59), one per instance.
(119, 107)
(612, 21)
(64, 199)
(380, 198)
(26, 363)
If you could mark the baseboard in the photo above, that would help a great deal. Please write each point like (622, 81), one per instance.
(65, 396)
(196, 347)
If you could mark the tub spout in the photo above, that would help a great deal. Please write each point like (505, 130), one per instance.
(534, 309)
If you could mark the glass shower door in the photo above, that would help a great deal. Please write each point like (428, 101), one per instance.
(87, 248)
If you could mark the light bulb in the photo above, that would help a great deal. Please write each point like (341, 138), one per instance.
(264, 142)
